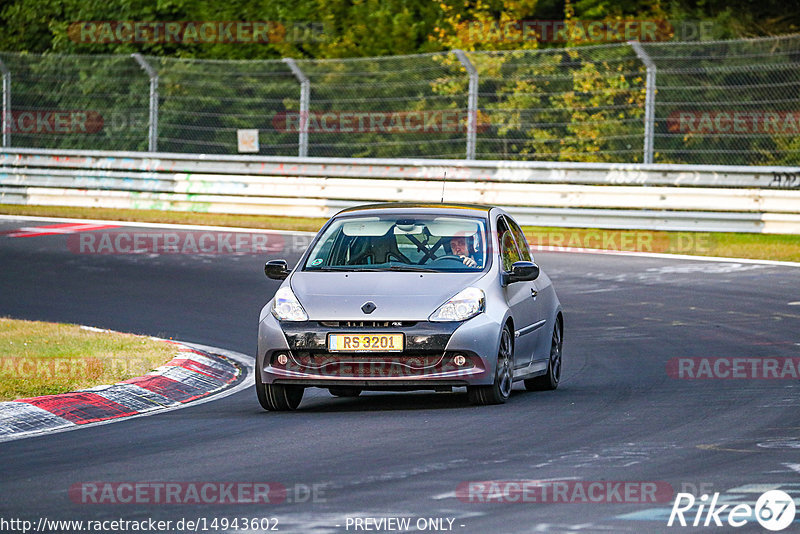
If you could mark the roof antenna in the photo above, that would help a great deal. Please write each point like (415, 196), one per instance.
(444, 181)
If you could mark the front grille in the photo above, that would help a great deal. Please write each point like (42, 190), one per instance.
(420, 336)
(317, 360)
(418, 364)
(367, 324)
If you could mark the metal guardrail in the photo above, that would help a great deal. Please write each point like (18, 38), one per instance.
(599, 195)
(769, 177)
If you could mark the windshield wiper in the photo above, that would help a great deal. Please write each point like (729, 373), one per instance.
(413, 268)
(397, 268)
(336, 268)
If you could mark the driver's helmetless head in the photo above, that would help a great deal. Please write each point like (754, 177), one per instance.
(458, 245)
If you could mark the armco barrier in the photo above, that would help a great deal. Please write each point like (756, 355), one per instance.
(600, 195)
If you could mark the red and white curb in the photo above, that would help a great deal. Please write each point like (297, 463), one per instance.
(59, 229)
(195, 375)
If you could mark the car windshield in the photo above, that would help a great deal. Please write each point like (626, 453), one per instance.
(401, 243)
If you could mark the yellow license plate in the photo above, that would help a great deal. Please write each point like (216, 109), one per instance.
(365, 342)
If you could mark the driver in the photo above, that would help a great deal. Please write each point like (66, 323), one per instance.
(459, 247)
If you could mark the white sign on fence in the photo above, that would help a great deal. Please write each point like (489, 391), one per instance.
(248, 140)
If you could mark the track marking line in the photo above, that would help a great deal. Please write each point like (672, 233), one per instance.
(137, 224)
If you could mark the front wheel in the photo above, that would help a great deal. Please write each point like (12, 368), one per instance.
(500, 390)
(278, 397)
(552, 377)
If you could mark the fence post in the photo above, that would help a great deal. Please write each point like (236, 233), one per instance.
(152, 141)
(472, 102)
(7, 118)
(649, 100)
(305, 97)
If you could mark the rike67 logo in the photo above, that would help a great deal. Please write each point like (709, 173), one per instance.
(775, 510)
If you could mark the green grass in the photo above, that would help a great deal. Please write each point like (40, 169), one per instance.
(736, 245)
(38, 358)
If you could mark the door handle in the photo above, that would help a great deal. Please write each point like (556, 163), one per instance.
(534, 293)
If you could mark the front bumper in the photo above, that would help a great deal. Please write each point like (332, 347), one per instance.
(427, 360)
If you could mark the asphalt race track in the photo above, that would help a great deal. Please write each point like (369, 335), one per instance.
(617, 416)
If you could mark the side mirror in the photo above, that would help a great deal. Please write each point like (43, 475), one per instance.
(522, 271)
(276, 269)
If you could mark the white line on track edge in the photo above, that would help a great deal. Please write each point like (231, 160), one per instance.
(154, 225)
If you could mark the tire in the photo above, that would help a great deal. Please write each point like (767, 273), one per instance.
(278, 397)
(345, 391)
(549, 381)
(500, 390)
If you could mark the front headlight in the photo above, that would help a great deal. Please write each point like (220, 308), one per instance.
(286, 307)
(466, 304)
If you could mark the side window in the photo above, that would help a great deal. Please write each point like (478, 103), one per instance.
(508, 249)
(522, 243)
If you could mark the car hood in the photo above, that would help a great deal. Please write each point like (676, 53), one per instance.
(398, 296)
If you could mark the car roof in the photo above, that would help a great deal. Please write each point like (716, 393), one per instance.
(420, 207)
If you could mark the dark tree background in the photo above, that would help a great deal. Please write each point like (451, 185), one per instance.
(357, 28)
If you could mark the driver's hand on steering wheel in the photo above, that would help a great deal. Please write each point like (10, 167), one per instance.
(469, 262)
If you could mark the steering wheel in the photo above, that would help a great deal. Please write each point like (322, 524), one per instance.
(450, 257)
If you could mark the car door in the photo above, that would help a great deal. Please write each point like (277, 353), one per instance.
(519, 295)
(537, 305)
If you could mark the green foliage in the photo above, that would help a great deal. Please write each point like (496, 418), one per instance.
(359, 28)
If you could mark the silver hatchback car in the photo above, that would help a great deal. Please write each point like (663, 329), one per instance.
(401, 297)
